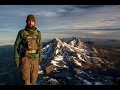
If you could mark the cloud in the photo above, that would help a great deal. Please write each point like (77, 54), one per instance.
(63, 18)
(42, 14)
(80, 16)
(46, 14)
(73, 16)
(100, 32)
(87, 6)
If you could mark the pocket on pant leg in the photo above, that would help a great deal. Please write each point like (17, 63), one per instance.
(25, 68)
(34, 72)
(35, 68)
(25, 64)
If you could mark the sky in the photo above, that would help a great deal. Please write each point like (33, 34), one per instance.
(61, 21)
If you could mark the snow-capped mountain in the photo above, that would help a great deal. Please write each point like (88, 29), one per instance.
(69, 61)
(77, 62)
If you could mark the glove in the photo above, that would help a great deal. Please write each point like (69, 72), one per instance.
(17, 63)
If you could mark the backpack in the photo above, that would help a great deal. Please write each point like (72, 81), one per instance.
(32, 41)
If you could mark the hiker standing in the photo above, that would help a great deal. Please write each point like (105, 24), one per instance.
(28, 51)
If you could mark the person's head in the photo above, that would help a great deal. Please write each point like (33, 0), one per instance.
(30, 20)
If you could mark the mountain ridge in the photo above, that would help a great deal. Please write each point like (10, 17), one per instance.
(74, 61)
(76, 56)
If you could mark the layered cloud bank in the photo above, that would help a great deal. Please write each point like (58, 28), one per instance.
(89, 21)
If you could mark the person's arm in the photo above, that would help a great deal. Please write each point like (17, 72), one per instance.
(40, 47)
(16, 48)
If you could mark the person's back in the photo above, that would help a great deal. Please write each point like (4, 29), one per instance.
(28, 51)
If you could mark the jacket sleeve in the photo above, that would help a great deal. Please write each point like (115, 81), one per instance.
(16, 45)
(40, 48)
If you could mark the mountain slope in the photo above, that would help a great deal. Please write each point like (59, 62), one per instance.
(79, 62)
(72, 61)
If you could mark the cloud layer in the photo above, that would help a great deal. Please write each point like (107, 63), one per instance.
(63, 20)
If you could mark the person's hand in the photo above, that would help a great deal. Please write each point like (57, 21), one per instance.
(17, 63)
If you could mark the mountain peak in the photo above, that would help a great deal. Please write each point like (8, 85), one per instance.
(74, 56)
(75, 49)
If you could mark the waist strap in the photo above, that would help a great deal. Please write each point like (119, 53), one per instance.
(31, 51)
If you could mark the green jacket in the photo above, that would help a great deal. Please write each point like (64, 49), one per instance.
(20, 38)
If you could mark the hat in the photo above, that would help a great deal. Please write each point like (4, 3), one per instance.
(30, 17)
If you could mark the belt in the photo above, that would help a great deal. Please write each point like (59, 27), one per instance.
(31, 51)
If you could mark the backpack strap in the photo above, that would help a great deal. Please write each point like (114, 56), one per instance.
(36, 32)
(25, 32)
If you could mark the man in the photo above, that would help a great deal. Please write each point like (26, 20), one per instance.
(28, 51)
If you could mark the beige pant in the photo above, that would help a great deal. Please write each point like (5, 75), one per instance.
(29, 70)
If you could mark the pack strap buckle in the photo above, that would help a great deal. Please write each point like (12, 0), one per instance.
(31, 51)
